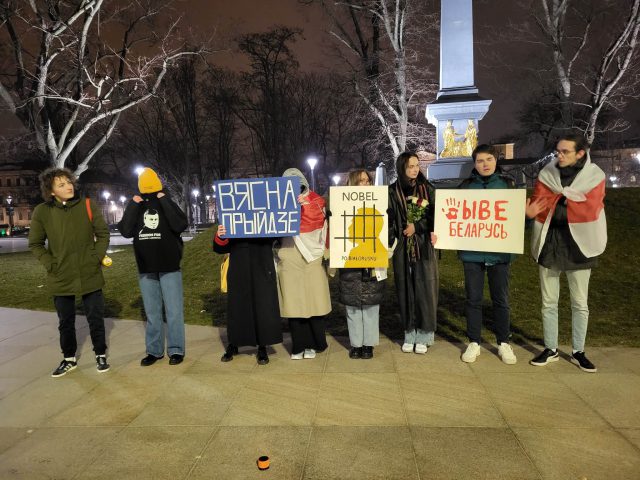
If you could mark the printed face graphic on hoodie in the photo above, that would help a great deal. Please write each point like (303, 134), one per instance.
(151, 220)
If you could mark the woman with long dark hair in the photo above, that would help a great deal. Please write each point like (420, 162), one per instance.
(415, 266)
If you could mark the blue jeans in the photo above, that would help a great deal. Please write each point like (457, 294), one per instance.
(498, 289)
(419, 336)
(158, 289)
(363, 325)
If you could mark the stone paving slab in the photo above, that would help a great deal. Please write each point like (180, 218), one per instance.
(397, 415)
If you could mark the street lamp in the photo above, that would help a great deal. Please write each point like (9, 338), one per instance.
(9, 201)
(138, 170)
(312, 162)
(113, 209)
(195, 192)
(336, 179)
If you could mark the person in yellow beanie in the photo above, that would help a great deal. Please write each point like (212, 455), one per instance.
(155, 222)
(149, 182)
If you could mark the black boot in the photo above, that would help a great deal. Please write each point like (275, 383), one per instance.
(228, 355)
(262, 356)
(367, 352)
(355, 352)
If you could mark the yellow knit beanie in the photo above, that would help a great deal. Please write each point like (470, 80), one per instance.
(148, 181)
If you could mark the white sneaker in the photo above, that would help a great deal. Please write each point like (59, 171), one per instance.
(407, 347)
(505, 352)
(309, 353)
(471, 353)
(297, 356)
(421, 348)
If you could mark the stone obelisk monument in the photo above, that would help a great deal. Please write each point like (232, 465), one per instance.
(458, 107)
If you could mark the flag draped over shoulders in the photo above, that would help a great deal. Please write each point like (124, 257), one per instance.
(585, 208)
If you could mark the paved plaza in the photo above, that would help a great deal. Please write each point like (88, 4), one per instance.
(397, 416)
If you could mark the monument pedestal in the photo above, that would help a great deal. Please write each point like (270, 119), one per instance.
(456, 119)
(458, 107)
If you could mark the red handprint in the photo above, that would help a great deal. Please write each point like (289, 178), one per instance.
(453, 205)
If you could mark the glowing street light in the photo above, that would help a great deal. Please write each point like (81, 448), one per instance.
(312, 162)
(106, 195)
(336, 179)
(613, 178)
(139, 170)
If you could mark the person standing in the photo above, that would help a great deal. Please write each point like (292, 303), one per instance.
(487, 175)
(361, 293)
(569, 232)
(69, 238)
(302, 280)
(415, 266)
(253, 314)
(155, 223)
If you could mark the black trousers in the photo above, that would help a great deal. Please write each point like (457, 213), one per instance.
(94, 308)
(307, 333)
(498, 288)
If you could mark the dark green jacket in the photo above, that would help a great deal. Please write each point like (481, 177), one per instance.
(476, 181)
(72, 256)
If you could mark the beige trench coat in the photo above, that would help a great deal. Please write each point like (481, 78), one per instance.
(303, 288)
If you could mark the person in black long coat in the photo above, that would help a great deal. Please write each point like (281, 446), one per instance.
(415, 264)
(253, 313)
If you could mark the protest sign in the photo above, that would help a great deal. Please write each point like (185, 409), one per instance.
(259, 207)
(358, 227)
(489, 220)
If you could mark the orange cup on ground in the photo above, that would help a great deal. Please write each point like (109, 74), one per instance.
(263, 462)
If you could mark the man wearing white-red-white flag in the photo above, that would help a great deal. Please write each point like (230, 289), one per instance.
(569, 232)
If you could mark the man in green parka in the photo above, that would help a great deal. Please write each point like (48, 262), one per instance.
(77, 239)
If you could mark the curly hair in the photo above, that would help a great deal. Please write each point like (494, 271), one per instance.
(49, 175)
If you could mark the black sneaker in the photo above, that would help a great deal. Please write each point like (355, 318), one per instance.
(367, 352)
(64, 367)
(175, 359)
(583, 362)
(547, 356)
(229, 353)
(262, 356)
(355, 352)
(150, 360)
(101, 364)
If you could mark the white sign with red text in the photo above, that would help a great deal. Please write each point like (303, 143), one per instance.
(489, 220)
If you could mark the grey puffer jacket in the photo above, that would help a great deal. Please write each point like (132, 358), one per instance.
(359, 287)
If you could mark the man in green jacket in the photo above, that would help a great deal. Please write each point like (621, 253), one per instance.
(77, 239)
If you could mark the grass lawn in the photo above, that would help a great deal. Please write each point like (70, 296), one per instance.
(614, 301)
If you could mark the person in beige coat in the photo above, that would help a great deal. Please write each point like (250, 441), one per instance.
(303, 286)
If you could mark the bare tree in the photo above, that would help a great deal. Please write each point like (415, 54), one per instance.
(375, 38)
(592, 50)
(69, 81)
(221, 102)
(264, 105)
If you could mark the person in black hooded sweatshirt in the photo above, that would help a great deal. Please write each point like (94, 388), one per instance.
(155, 222)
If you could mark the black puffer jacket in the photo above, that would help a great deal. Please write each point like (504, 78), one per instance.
(359, 286)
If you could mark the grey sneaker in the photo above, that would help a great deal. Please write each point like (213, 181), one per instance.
(64, 367)
(101, 364)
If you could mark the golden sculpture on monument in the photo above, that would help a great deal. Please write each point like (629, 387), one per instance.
(463, 147)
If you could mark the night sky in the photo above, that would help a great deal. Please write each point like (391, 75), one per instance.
(227, 19)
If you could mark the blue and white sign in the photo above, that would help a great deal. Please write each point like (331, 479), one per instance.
(259, 207)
